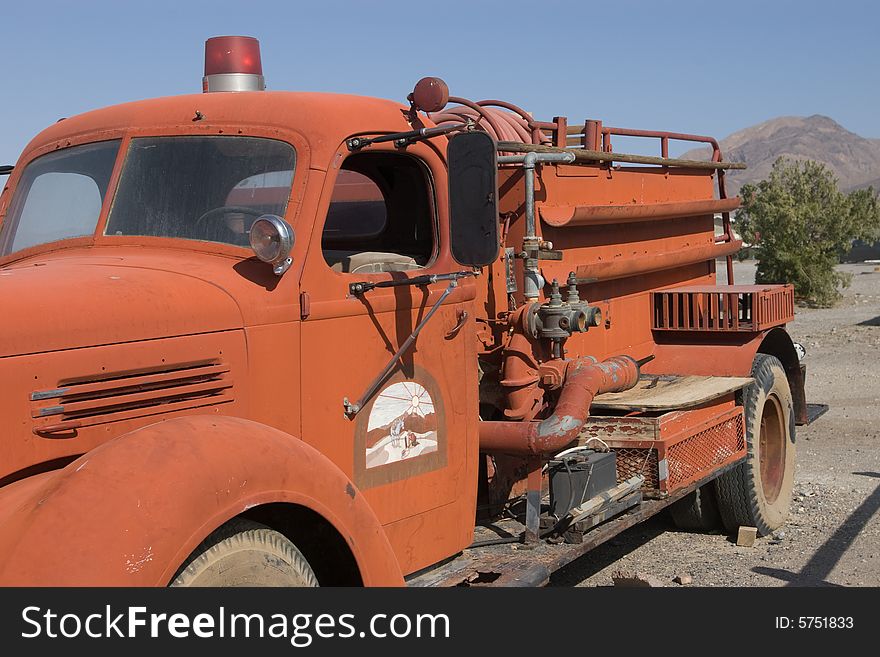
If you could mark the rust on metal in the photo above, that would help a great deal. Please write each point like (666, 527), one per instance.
(685, 446)
(584, 379)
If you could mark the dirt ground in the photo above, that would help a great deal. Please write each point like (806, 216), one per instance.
(832, 537)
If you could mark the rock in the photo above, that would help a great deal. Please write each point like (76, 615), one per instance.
(779, 535)
(684, 580)
(635, 579)
(746, 536)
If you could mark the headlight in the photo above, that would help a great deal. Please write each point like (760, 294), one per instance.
(272, 240)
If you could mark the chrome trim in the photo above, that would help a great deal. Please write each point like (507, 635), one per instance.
(48, 394)
(233, 82)
(51, 410)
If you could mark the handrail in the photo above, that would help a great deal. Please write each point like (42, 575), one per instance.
(584, 155)
(664, 138)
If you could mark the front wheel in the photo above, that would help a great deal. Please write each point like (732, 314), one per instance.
(757, 493)
(245, 553)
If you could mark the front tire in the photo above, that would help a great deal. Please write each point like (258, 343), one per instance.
(757, 493)
(245, 553)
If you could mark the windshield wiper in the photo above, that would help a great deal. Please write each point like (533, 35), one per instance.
(6, 169)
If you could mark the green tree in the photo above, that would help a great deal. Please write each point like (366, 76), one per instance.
(800, 223)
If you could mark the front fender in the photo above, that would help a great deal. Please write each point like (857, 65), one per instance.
(129, 512)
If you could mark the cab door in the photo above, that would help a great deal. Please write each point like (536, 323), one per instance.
(412, 448)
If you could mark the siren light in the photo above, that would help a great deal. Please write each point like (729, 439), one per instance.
(232, 63)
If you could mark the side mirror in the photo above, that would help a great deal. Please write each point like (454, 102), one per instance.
(473, 199)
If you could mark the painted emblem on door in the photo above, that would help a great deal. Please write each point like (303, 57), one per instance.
(402, 425)
(402, 430)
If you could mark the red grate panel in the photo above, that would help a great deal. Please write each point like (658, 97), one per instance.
(694, 457)
(692, 444)
(632, 461)
(750, 308)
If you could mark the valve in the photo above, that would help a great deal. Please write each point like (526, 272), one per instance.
(557, 320)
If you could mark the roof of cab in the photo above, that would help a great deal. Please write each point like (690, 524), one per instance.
(323, 119)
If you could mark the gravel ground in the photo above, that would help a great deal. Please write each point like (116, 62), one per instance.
(832, 537)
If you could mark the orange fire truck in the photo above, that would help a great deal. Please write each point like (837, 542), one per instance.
(262, 338)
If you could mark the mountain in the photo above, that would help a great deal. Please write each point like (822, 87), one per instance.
(854, 159)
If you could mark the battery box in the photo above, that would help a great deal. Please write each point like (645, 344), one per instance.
(577, 477)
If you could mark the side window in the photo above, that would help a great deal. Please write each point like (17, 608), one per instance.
(59, 196)
(381, 215)
(58, 206)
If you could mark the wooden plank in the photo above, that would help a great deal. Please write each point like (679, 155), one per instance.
(656, 393)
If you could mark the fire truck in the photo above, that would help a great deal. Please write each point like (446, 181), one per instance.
(272, 338)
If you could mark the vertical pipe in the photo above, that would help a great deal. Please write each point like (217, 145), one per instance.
(532, 282)
(592, 134)
(529, 170)
(533, 501)
(561, 131)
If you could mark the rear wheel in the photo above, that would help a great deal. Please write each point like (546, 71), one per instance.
(757, 493)
(698, 511)
(245, 553)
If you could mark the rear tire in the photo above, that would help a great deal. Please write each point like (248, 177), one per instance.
(757, 493)
(245, 553)
(698, 511)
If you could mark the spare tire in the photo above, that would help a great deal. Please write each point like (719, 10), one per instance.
(757, 493)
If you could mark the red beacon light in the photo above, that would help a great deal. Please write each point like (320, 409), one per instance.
(232, 63)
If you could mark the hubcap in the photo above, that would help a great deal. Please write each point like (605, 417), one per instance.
(773, 443)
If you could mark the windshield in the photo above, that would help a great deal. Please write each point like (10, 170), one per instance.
(59, 196)
(201, 188)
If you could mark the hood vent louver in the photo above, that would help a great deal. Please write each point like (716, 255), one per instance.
(78, 403)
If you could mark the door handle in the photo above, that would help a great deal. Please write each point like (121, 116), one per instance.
(462, 318)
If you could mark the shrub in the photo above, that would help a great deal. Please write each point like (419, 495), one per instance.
(800, 223)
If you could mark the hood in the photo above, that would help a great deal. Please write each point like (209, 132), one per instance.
(69, 303)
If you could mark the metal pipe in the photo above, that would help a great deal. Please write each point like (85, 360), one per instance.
(585, 215)
(584, 379)
(665, 136)
(589, 156)
(532, 280)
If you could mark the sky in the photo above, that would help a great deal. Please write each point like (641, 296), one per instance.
(699, 67)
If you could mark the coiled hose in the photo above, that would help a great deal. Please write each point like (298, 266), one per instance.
(503, 121)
